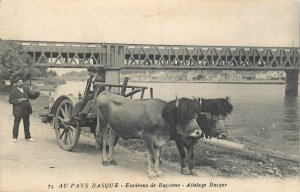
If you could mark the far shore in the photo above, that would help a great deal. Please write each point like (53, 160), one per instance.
(194, 81)
(223, 82)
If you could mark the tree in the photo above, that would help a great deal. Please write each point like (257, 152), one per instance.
(14, 61)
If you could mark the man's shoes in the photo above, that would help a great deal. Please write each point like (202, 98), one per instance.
(15, 140)
(31, 140)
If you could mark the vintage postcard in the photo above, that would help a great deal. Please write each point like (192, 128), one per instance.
(172, 95)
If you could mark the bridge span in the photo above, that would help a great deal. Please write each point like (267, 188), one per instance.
(113, 57)
(136, 56)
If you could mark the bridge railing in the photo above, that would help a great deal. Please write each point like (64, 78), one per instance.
(65, 54)
(72, 54)
(211, 57)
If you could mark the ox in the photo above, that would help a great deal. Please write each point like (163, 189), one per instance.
(154, 121)
(213, 114)
(211, 121)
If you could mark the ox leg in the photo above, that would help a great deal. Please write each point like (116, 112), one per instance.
(102, 132)
(184, 167)
(112, 138)
(158, 171)
(105, 132)
(151, 157)
(191, 160)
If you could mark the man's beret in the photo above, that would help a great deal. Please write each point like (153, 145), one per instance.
(92, 69)
(18, 78)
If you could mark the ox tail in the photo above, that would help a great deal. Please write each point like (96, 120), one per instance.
(98, 132)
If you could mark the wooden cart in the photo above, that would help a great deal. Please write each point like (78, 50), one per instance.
(67, 134)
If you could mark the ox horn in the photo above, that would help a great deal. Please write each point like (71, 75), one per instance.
(177, 102)
(200, 101)
(197, 100)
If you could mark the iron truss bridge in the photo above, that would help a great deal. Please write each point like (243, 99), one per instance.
(148, 56)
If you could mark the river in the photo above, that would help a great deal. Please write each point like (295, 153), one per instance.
(262, 116)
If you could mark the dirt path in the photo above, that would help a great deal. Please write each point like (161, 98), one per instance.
(43, 166)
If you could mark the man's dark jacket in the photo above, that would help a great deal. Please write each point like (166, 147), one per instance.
(24, 107)
(89, 84)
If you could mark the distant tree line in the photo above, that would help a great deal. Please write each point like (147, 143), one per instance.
(75, 74)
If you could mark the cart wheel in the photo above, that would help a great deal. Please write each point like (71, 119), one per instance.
(67, 135)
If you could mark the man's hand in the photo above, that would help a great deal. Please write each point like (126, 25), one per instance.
(22, 99)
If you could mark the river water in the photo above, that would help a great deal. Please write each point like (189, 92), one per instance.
(262, 116)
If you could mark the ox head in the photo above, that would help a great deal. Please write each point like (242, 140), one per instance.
(212, 116)
(181, 115)
(212, 126)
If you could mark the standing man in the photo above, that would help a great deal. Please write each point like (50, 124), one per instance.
(84, 106)
(19, 98)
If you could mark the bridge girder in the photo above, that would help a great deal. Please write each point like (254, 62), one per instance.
(138, 56)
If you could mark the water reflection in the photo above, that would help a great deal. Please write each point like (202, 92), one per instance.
(291, 118)
(291, 109)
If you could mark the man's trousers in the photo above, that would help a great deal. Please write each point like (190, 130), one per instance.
(26, 123)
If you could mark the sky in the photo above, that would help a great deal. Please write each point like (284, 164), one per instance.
(188, 22)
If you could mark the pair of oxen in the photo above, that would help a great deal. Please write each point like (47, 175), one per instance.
(156, 122)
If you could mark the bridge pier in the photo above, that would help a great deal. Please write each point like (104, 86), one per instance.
(291, 83)
(113, 65)
(113, 76)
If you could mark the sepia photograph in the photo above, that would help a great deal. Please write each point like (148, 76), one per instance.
(140, 95)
